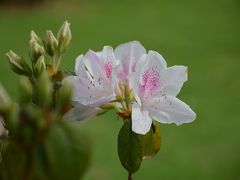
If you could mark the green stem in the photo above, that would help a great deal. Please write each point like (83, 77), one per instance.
(57, 61)
(129, 176)
(28, 166)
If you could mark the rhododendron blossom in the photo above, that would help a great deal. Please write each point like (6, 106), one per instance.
(138, 84)
(127, 55)
(94, 82)
(155, 88)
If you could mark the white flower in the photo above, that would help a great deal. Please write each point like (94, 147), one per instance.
(155, 88)
(81, 112)
(95, 80)
(104, 76)
(127, 55)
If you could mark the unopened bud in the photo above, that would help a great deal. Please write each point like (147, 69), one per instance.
(51, 43)
(35, 50)
(65, 95)
(40, 66)
(15, 62)
(127, 93)
(64, 37)
(43, 89)
(120, 92)
(34, 37)
(25, 89)
(132, 95)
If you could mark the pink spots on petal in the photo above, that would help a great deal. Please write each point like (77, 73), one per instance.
(108, 69)
(150, 81)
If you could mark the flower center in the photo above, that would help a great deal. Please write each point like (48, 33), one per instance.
(150, 81)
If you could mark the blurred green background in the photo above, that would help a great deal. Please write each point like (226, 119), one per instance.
(203, 35)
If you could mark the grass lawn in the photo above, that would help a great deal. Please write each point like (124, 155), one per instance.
(203, 35)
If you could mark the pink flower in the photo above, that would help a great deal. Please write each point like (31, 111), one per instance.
(94, 82)
(127, 55)
(155, 88)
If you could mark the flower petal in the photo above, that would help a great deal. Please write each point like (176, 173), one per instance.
(141, 121)
(88, 93)
(80, 112)
(94, 64)
(173, 79)
(108, 55)
(134, 85)
(95, 81)
(152, 59)
(148, 80)
(169, 109)
(80, 69)
(127, 55)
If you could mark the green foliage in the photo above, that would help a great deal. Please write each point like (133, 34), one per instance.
(14, 161)
(151, 141)
(130, 150)
(4, 99)
(38, 143)
(68, 150)
(133, 148)
(26, 90)
(64, 154)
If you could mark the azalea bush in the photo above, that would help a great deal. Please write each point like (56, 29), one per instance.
(36, 142)
(136, 84)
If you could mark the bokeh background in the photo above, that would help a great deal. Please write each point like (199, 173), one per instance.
(203, 35)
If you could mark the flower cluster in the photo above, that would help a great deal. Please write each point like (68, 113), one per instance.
(135, 82)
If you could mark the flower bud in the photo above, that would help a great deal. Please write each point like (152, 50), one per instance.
(15, 62)
(43, 90)
(64, 37)
(5, 101)
(35, 50)
(34, 37)
(25, 89)
(40, 66)
(65, 95)
(51, 43)
(127, 93)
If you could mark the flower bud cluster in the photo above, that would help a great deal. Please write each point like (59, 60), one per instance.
(42, 100)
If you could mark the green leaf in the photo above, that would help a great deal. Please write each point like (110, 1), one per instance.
(14, 163)
(130, 150)
(151, 141)
(67, 152)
